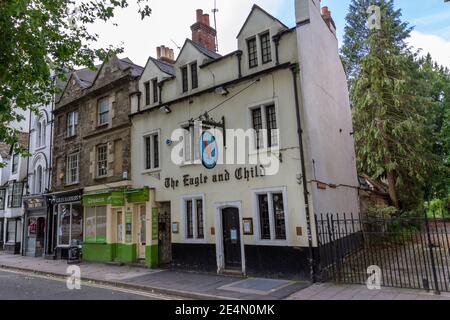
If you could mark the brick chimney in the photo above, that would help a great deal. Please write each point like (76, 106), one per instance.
(203, 33)
(165, 54)
(326, 15)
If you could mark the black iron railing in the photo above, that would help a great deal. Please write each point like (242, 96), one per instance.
(409, 252)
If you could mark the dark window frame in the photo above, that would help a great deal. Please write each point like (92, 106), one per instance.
(15, 195)
(194, 75)
(2, 202)
(271, 124)
(189, 219)
(151, 151)
(266, 47)
(185, 79)
(147, 93)
(155, 90)
(252, 50)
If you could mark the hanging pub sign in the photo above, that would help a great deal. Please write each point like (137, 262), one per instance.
(209, 150)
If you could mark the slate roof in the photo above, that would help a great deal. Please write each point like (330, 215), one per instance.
(164, 66)
(205, 51)
(126, 63)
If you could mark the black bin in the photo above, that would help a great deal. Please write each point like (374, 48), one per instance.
(74, 255)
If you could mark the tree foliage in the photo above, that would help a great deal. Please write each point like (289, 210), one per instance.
(43, 38)
(392, 132)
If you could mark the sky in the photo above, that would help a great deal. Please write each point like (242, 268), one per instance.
(170, 24)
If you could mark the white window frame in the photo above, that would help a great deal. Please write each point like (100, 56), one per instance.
(194, 145)
(68, 175)
(97, 161)
(263, 105)
(256, 216)
(39, 185)
(99, 113)
(152, 168)
(15, 166)
(183, 207)
(72, 123)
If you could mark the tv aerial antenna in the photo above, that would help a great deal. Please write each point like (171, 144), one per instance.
(215, 11)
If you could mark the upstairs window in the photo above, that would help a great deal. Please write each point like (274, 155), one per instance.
(194, 75)
(72, 123)
(151, 145)
(38, 134)
(155, 90)
(72, 169)
(184, 78)
(264, 121)
(38, 180)
(191, 148)
(103, 111)
(2, 201)
(15, 195)
(252, 53)
(102, 161)
(147, 93)
(266, 50)
(15, 163)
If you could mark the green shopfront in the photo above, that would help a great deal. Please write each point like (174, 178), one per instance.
(118, 227)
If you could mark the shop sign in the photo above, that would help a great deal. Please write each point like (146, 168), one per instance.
(114, 198)
(239, 174)
(68, 197)
(138, 195)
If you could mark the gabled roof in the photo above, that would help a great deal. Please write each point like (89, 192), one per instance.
(254, 8)
(163, 66)
(210, 54)
(126, 63)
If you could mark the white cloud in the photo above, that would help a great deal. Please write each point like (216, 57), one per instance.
(171, 20)
(438, 47)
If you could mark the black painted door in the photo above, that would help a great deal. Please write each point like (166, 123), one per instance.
(231, 238)
(164, 237)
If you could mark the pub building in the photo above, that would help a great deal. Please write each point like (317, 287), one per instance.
(246, 217)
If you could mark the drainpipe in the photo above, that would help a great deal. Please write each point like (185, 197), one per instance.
(295, 71)
(27, 188)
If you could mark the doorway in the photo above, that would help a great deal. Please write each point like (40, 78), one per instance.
(231, 238)
(164, 235)
(142, 231)
(40, 236)
(230, 253)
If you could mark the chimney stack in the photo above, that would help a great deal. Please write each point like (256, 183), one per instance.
(202, 32)
(165, 54)
(326, 15)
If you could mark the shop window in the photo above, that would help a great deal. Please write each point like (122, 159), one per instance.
(72, 123)
(252, 53)
(95, 224)
(72, 169)
(102, 161)
(103, 111)
(194, 217)
(151, 147)
(70, 225)
(11, 231)
(271, 215)
(266, 50)
(264, 122)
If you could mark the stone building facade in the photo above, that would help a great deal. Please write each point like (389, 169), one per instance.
(91, 149)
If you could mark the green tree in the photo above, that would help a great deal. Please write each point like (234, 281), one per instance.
(355, 45)
(391, 135)
(43, 38)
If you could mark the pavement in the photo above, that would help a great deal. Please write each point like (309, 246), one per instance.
(187, 285)
(329, 291)
(199, 286)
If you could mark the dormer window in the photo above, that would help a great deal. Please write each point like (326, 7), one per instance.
(266, 50)
(184, 78)
(155, 90)
(194, 75)
(147, 93)
(252, 53)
